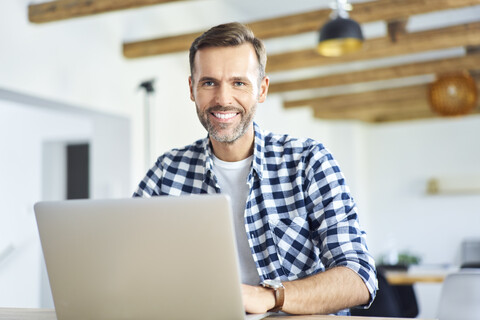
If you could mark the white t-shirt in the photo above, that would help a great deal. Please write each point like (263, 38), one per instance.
(232, 178)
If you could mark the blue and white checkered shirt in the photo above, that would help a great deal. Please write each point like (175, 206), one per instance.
(300, 217)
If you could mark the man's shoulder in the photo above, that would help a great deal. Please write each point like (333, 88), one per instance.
(289, 143)
(190, 151)
(285, 147)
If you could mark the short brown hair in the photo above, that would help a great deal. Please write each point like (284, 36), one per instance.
(229, 35)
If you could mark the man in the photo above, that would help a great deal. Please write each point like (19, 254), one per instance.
(295, 220)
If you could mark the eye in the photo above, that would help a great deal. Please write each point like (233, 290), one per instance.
(208, 83)
(239, 83)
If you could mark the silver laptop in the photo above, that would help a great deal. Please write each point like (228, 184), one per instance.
(158, 258)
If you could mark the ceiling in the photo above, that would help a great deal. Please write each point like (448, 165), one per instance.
(408, 44)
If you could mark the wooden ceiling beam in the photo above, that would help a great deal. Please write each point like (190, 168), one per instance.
(379, 112)
(303, 22)
(398, 104)
(353, 100)
(442, 38)
(362, 98)
(67, 9)
(469, 62)
(409, 109)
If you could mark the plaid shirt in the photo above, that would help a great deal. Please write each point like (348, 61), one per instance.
(300, 218)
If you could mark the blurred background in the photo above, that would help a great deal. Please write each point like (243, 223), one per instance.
(86, 105)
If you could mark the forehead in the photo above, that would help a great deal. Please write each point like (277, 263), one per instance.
(240, 59)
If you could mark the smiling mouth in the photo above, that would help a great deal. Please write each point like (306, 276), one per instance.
(224, 116)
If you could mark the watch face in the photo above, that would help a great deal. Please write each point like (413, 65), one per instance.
(275, 284)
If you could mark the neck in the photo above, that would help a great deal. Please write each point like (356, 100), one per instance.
(241, 149)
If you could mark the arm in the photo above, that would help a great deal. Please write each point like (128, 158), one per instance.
(326, 292)
(349, 278)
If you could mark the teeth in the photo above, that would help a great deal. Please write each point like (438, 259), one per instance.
(224, 115)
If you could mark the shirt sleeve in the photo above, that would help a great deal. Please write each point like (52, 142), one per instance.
(334, 221)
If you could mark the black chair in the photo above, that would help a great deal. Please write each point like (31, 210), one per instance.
(408, 301)
(391, 301)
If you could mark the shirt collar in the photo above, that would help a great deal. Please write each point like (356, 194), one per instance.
(258, 154)
(258, 151)
(207, 158)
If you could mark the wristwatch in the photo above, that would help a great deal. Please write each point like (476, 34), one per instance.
(279, 291)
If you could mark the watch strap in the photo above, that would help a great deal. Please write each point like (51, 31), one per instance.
(279, 292)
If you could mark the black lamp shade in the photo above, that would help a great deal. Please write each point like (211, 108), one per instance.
(340, 36)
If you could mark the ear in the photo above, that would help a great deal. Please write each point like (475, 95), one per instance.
(263, 89)
(190, 84)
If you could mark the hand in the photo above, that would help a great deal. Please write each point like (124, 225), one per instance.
(257, 299)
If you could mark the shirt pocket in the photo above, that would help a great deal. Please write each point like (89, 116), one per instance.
(296, 252)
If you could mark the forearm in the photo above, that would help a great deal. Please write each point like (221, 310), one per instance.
(326, 292)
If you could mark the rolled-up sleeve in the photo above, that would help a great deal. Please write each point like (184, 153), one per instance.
(334, 222)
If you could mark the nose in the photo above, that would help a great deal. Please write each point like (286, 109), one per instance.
(223, 95)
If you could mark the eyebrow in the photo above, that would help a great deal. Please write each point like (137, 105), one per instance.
(202, 79)
(243, 79)
(206, 78)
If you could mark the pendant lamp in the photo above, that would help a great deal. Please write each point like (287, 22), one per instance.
(453, 94)
(341, 34)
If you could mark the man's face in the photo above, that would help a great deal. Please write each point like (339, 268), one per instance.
(226, 88)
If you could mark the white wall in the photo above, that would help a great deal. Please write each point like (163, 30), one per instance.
(23, 132)
(402, 158)
(31, 134)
